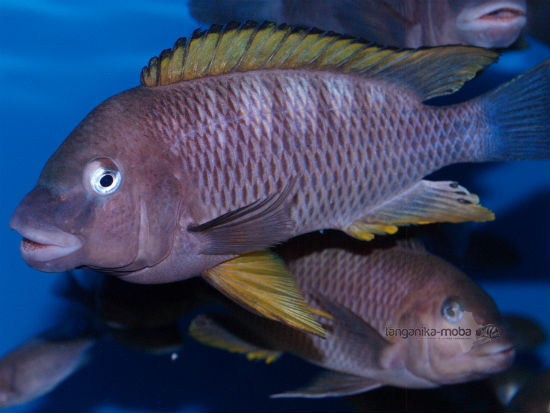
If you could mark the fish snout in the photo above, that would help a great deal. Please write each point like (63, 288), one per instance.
(495, 349)
(44, 245)
(496, 24)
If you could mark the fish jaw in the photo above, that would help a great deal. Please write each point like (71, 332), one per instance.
(46, 249)
(492, 25)
(494, 356)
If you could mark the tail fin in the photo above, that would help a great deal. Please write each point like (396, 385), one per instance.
(520, 111)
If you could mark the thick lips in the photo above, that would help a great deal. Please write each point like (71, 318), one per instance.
(491, 15)
(493, 348)
(39, 247)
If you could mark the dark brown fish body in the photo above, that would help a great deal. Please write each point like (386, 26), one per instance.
(177, 178)
(253, 134)
(398, 23)
(384, 290)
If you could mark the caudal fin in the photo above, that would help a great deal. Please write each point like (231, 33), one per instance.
(520, 113)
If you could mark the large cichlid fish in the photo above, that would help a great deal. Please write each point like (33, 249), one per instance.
(400, 317)
(397, 23)
(246, 136)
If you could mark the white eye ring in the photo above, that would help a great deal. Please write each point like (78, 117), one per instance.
(451, 310)
(105, 181)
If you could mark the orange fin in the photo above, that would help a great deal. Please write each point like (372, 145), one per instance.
(424, 203)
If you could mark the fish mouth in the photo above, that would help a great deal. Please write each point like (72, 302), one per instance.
(494, 25)
(493, 14)
(42, 249)
(499, 355)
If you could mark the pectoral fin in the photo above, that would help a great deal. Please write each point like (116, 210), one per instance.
(351, 329)
(332, 384)
(261, 281)
(424, 203)
(214, 332)
(250, 228)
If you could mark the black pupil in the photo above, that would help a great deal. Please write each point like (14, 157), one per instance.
(106, 180)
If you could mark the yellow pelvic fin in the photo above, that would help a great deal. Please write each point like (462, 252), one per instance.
(321, 313)
(211, 332)
(239, 48)
(261, 281)
(424, 203)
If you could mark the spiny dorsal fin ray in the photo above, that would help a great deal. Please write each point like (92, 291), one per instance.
(239, 48)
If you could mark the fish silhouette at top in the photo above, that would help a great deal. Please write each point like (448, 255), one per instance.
(248, 135)
(397, 23)
(400, 316)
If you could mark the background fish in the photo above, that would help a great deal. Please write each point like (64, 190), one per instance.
(199, 166)
(534, 397)
(368, 292)
(538, 12)
(39, 365)
(528, 335)
(398, 23)
(120, 305)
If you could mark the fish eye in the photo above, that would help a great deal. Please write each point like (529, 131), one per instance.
(103, 176)
(451, 310)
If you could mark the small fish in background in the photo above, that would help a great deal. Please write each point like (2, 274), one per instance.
(116, 304)
(397, 23)
(534, 396)
(143, 317)
(394, 312)
(235, 142)
(538, 14)
(527, 335)
(37, 366)
(159, 341)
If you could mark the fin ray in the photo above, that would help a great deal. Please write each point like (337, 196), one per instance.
(260, 281)
(213, 332)
(424, 203)
(429, 72)
(332, 384)
(258, 225)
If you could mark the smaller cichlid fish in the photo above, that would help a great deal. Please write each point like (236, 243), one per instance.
(534, 396)
(248, 135)
(39, 365)
(398, 316)
(118, 305)
(397, 23)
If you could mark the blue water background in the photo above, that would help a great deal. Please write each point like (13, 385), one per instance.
(58, 60)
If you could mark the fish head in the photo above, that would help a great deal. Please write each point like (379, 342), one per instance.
(460, 334)
(488, 23)
(102, 201)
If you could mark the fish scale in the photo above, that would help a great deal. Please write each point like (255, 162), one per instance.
(377, 150)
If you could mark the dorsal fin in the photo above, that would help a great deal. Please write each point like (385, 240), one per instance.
(239, 48)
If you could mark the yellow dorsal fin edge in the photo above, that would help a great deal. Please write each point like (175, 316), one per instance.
(250, 46)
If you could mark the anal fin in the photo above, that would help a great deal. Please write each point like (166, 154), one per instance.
(332, 384)
(424, 203)
(261, 281)
(212, 332)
